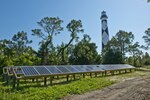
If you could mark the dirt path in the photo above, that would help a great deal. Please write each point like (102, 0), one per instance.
(131, 89)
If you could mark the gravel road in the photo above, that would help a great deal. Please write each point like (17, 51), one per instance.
(131, 89)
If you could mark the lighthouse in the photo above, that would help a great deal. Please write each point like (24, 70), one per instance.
(105, 33)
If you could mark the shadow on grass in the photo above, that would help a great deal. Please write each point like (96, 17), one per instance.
(41, 85)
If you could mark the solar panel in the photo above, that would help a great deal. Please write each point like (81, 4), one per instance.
(19, 71)
(94, 68)
(115, 67)
(53, 70)
(108, 67)
(29, 71)
(72, 69)
(79, 68)
(42, 70)
(63, 69)
(85, 68)
(128, 66)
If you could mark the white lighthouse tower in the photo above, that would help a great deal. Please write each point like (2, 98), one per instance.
(105, 33)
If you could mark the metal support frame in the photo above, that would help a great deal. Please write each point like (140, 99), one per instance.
(67, 77)
(45, 80)
(91, 75)
(16, 77)
(51, 80)
(83, 75)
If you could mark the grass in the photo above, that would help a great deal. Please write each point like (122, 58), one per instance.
(147, 67)
(58, 91)
(54, 92)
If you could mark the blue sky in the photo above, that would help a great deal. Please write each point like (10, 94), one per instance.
(129, 15)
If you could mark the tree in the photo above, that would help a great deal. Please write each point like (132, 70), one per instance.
(85, 53)
(136, 53)
(146, 59)
(117, 47)
(23, 54)
(6, 53)
(146, 38)
(20, 43)
(124, 39)
(51, 26)
(74, 27)
(111, 53)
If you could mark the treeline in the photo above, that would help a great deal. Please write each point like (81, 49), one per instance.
(122, 49)
(16, 51)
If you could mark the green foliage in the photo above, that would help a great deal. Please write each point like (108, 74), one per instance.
(124, 39)
(17, 51)
(134, 50)
(117, 47)
(51, 26)
(74, 27)
(85, 52)
(146, 59)
(146, 38)
(112, 57)
(54, 92)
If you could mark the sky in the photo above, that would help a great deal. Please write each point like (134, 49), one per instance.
(23, 15)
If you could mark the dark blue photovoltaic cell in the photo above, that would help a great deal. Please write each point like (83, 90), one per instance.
(63, 69)
(79, 68)
(19, 72)
(42, 70)
(107, 67)
(29, 71)
(72, 69)
(94, 68)
(53, 70)
(115, 67)
(85, 68)
(128, 66)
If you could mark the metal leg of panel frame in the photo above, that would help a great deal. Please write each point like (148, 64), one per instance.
(74, 77)
(45, 80)
(51, 80)
(130, 70)
(83, 75)
(91, 75)
(14, 82)
(18, 81)
(33, 80)
(95, 74)
(119, 71)
(125, 71)
(67, 77)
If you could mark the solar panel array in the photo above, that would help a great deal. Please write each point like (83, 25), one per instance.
(69, 69)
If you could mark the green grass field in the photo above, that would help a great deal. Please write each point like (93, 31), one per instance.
(35, 92)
